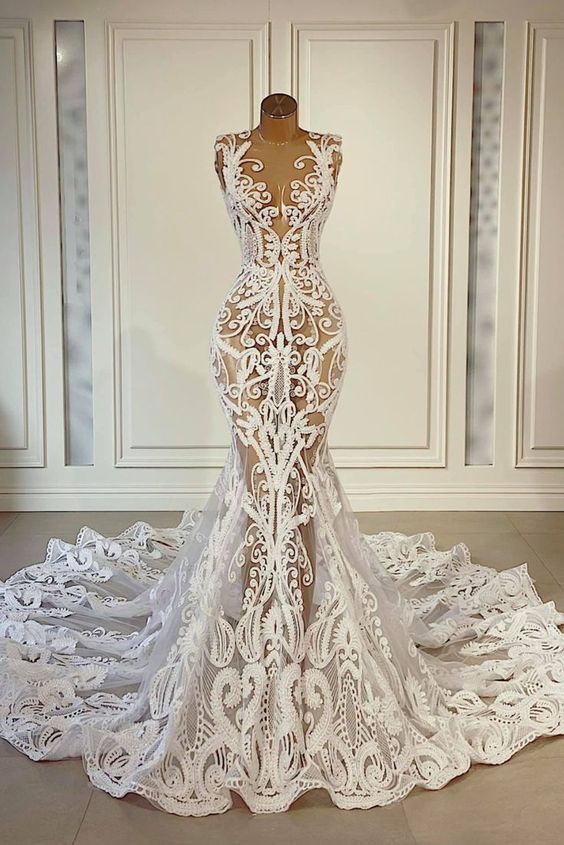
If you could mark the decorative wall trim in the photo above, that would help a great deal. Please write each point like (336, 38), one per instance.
(432, 452)
(443, 497)
(530, 452)
(257, 36)
(29, 449)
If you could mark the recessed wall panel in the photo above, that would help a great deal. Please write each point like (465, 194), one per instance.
(21, 382)
(385, 246)
(176, 88)
(541, 397)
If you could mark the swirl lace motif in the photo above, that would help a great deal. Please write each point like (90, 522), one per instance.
(278, 348)
(182, 663)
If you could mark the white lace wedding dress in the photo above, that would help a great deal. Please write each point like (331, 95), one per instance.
(182, 663)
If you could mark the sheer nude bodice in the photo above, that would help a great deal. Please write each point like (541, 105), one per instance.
(278, 348)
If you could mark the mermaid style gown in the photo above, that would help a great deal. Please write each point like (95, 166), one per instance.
(266, 646)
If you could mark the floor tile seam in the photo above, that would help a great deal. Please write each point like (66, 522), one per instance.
(543, 561)
(78, 829)
(415, 841)
(11, 522)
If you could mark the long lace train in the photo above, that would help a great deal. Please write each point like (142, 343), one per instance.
(416, 662)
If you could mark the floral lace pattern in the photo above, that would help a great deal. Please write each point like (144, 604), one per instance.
(265, 646)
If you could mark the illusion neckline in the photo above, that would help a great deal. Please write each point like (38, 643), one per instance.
(264, 140)
(241, 146)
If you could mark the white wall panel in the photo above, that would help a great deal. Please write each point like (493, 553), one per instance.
(386, 247)
(541, 396)
(174, 259)
(21, 410)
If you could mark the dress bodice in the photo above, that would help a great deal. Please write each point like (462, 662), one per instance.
(278, 345)
(252, 210)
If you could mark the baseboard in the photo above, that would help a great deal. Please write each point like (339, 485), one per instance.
(490, 497)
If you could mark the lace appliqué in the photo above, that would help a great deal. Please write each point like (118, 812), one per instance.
(265, 645)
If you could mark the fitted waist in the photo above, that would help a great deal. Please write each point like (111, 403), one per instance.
(282, 265)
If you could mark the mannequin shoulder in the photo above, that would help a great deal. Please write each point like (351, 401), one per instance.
(222, 138)
(224, 144)
(230, 139)
(221, 145)
(334, 140)
(334, 144)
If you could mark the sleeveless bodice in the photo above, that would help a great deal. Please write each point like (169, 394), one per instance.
(252, 210)
(278, 346)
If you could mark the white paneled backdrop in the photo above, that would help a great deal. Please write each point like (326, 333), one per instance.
(397, 81)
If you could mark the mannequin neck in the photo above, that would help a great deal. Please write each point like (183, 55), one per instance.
(279, 130)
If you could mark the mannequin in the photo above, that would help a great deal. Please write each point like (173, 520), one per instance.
(276, 145)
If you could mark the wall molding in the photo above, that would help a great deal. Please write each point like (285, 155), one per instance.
(126, 453)
(30, 452)
(432, 451)
(529, 452)
(443, 497)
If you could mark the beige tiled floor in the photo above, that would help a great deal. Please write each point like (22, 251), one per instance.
(517, 803)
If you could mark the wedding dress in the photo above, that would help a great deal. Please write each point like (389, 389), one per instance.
(265, 646)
